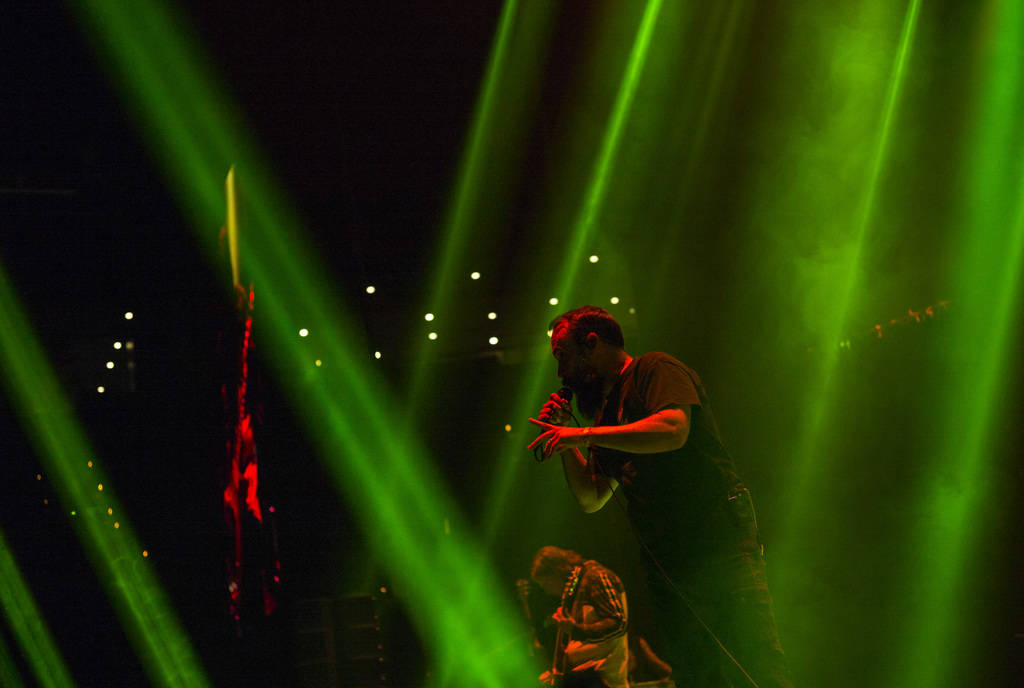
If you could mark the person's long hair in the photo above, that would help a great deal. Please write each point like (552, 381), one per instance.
(551, 561)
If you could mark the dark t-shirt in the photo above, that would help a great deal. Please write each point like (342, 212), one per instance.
(670, 494)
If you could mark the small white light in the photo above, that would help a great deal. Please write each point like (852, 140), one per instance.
(370, 289)
(110, 365)
(474, 275)
(117, 345)
(614, 300)
(553, 300)
(493, 340)
(101, 389)
(594, 259)
(129, 315)
(303, 332)
(432, 336)
(318, 363)
(428, 316)
(377, 355)
(550, 332)
(492, 315)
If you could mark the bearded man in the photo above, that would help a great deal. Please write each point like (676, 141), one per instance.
(654, 438)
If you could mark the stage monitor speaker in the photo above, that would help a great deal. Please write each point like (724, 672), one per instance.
(338, 643)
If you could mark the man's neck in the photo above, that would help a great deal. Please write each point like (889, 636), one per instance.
(619, 364)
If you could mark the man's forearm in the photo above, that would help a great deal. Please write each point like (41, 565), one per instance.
(601, 629)
(590, 489)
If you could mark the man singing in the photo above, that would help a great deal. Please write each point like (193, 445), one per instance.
(592, 616)
(654, 435)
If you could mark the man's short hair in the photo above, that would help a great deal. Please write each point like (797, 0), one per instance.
(551, 561)
(586, 319)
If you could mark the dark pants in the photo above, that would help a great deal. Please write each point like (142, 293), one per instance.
(588, 678)
(726, 586)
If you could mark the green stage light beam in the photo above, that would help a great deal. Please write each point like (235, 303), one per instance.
(378, 465)
(142, 57)
(363, 439)
(989, 263)
(29, 628)
(404, 511)
(9, 674)
(115, 554)
(810, 467)
(389, 481)
(597, 188)
(148, 57)
(587, 216)
(736, 21)
(812, 217)
(519, 46)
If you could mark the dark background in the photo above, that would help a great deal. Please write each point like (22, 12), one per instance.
(362, 110)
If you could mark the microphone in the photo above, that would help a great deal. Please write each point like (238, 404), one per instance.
(566, 395)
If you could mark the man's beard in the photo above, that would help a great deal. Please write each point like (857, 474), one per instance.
(589, 395)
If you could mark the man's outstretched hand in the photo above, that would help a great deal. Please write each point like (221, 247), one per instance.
(556, 438)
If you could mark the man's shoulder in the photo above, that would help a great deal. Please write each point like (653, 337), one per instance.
(664, 380)
(595, 571)
(655, 359)
(658, 357)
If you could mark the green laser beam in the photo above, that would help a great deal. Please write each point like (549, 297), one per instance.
(989, 263)
(9, 673)
(481, 168)
(590, 209)
(810, 467)
(537, 349)
(29, 629)
(131, 587)
(737, 18)
(363, 439)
